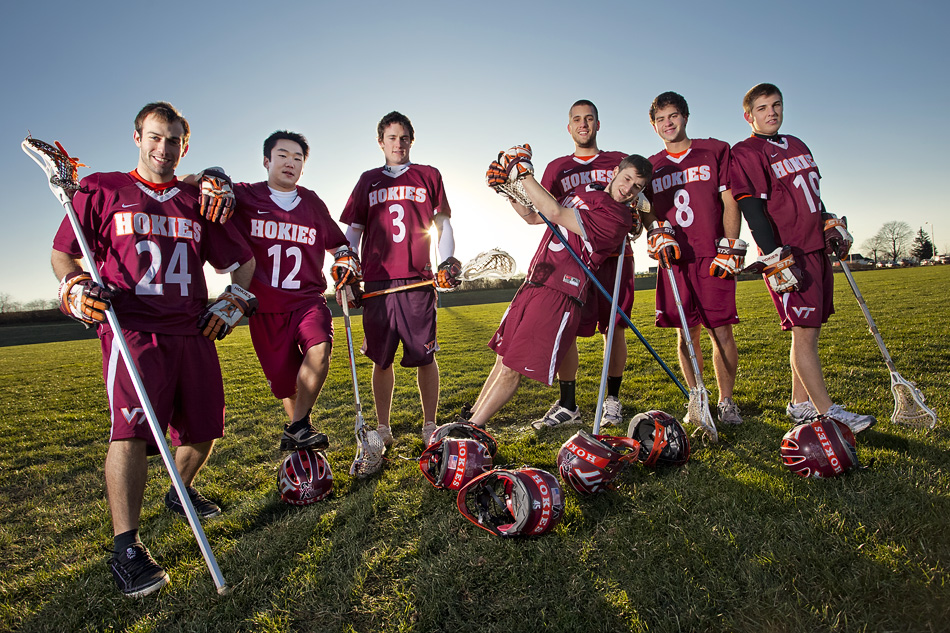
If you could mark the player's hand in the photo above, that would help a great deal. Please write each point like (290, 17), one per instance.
(779, 269)
(516, 161)
(638, 206)
(496, 176)
(83, 299)
(346, 267)
(661, 243)
(217, 195)
(226, 312)
(730, 257)
(448, 274)
(837, 238)
(354, 295)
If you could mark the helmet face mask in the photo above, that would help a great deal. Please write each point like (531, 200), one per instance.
(465, 431)
(588, 463)
(663, 440)
(821, 449)
(521, 502)
(304, 478)
(450, 463)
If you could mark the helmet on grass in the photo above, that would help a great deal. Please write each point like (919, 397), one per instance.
(452, 462)
(304, 477)
(521, 502)
(663, 440)
(820, 449)
(588, 463)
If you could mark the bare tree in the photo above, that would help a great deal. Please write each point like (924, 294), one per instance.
(874, 245)
(7, 304)
(896, 237)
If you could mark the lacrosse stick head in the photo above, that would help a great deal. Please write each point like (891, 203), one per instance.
(491, 264)
(451, 463)
(699, 415)
(369, 455)
(61, 169)
(515, 192)
(821, 449)
(589, 463)
(663, 440)
(304, 478)
(521, 502)
(909, 405)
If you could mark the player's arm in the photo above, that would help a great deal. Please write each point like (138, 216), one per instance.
(731, 216)
(353, 234)
(753, 210)
(545, 203)
(80, 297)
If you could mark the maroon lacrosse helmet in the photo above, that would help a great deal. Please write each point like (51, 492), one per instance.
(453, 462)
(304, 478)
(465, 430)
(521, 502)
(821, 449)
(588, 463)
(663, 440)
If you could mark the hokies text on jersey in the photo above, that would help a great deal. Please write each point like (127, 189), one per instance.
(572, 181)
(285, 231)
(404, 192)
(127, 223)
(680, 178)
(794, 164)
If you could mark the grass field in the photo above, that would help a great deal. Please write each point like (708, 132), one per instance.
(729, 542)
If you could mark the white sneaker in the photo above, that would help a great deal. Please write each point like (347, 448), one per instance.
(613, 412)
(855, 421)
(427, 430)
(801, 412)
(386, 434)
(729, 412)
(558, 415)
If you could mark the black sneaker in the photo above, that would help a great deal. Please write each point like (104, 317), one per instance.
(301, 435)
(135, 571)
(203, 506)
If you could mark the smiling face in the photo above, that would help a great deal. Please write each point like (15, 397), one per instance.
(626, 185)
(583, 126)
(395, 144)
(161, 145)
(765, 115)
(670, 124)
(285, 165)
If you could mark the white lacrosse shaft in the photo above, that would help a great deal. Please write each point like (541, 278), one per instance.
(119, 339)
(359, 427)
(707, 423)
(609, 343)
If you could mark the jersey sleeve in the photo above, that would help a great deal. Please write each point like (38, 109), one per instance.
(723, 158)
(357, 206)
(548, 179)
(748, 175)
(226, 249)
(85, 202)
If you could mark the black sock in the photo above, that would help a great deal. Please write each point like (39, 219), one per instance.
(613, 386)
(296, 425)
(567, 394)
(122, 542)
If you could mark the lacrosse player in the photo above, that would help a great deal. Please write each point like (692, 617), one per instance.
(694, 231)
(775, 181)
(542, 320)
(150, 243)
(389, 215)
(562, 176)
(289, 228)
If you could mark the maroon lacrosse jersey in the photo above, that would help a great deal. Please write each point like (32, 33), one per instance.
(152, 244)
(604, 222)
(786, 177)
(289, 246)
(685, 191)
(564, 174)
(395, 206)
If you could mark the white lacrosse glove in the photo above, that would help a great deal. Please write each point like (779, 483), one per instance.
(516, 161)
(730, 256)
(217, 195)
(83, 299)
(779, 269)
(226, 312)
(837, 239)
(661, 243)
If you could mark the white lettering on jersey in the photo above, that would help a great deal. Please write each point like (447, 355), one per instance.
(794, 164)
(149, 224)
(284, 231)
(404, 192)
(572, 181)
(680, 178)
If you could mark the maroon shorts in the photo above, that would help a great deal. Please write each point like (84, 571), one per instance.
(281, 340)
(813, 302)
(182, 378)
(707, 300)
(595, 316)
(407, 316)
(536, 331)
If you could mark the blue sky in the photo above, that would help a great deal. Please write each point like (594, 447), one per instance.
(865, 87)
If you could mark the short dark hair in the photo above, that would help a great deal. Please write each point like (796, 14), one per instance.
(584, 102)
(284, 135)
(759, 90)
(643, 166)
(667, 99)
(167, 113)
(395, 117)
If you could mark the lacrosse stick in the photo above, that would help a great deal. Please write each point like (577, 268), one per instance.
(909, 407)
(697, 410)
(492, 264)
(369, 445)
(515, 192)
(63, 175)
(610, 338)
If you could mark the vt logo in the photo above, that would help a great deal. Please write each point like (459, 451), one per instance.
(131, 415)
(803, 312)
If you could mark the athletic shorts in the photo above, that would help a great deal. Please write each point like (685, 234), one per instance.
(182, 378)
(595, 315)
(281, 340)
(707, 300)
(813, 303)
(536, 332)
(407, 316)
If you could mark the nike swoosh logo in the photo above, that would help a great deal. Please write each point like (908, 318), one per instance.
(126, 206)
(263, 212)
(775, 154)
(374, 184)
(530, 370)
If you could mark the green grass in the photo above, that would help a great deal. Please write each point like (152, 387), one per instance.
(729, 542)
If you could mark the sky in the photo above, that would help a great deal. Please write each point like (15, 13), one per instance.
(863, 83)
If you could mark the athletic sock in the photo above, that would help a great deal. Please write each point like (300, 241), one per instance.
(567, 394)
(122, 542)
(296, 425)
(613, 386)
